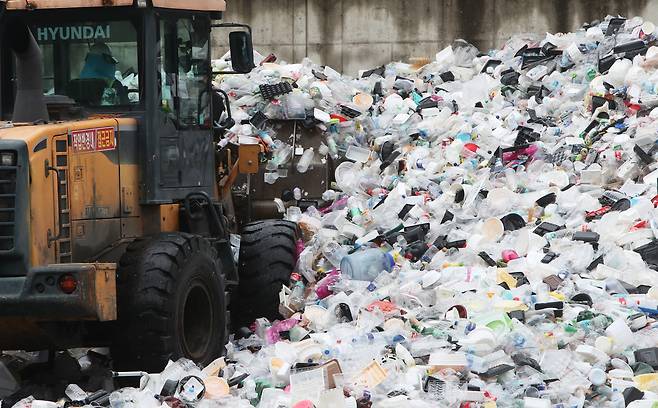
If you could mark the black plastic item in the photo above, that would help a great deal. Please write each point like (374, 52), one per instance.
(631, 289)
(405, 210)
(648, 356)
(237, 380)
(513, 222)
(510, 78)
(492, 63)
(96, 396)
(287, 195)
(567, 187)
(525, 360)
(486, 258)
(169, 388)
(270, 92)
(629, 47)
(259, 120)
(606, 63)
(521, 51)
(456, 244)
(548, 258)
(614, 26)
(416, 232)
(391, 158)
(549, 305)
(377, 71)
(378, 90)
(621, 205)
(550, 49)
(644, 156)
(531, 61)
(415, 250)
(546, 200)
(382, 201)
(426, 103)
(320, 75)
(497, 370)
(349, 112)
(520, 277)
(586, 236)
(526, 135)
(546, 227)
(649, 253)
(344, 313)
(598, 101)
(387, 149)
(582, 298)
(435, 387)
(539, 92)
(518, 315)
(460, 195)
(632, 394)
(447, 76)
(448, 216)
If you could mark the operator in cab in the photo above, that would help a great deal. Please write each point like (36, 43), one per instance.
(101, 64)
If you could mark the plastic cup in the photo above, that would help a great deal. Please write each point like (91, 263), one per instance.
(493, 229)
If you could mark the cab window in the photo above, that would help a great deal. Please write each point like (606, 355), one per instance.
(95, 63)
(184, 71)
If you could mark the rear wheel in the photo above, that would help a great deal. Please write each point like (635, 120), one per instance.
(268, 253)
(171, 303)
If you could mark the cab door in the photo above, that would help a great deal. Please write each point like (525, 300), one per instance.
(186, 148)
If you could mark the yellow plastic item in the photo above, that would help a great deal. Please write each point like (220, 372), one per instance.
(647, 382)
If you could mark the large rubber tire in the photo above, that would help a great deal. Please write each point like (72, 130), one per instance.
(268, 254)
(171, 303)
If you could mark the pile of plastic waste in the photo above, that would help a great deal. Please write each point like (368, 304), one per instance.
(490, 239)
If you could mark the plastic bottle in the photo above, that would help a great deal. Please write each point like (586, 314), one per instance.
(297, 298)
(305, 161)
(366, 265)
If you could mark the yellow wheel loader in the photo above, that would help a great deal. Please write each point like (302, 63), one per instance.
(116, 215)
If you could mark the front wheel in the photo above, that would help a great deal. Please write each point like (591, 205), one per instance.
(171, 303)
(268, 254)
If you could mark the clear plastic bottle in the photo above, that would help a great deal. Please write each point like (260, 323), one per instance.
(366, 265)
(297, 299)
(305, 161)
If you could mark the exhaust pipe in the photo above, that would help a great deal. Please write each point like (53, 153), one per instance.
(30, 105)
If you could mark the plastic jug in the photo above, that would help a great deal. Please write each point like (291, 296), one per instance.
(367, 265)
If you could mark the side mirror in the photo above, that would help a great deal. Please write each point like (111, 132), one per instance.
(242, 52)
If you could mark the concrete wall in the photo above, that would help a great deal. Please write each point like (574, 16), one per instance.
(356, 34)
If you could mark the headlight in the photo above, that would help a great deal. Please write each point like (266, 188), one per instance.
(7, 159)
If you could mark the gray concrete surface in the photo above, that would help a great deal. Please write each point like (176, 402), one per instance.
(355, 34)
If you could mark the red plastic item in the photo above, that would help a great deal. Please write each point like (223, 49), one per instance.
(340, 118)
(597, 213)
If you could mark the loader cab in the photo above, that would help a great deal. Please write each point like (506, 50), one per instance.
(149, 63)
